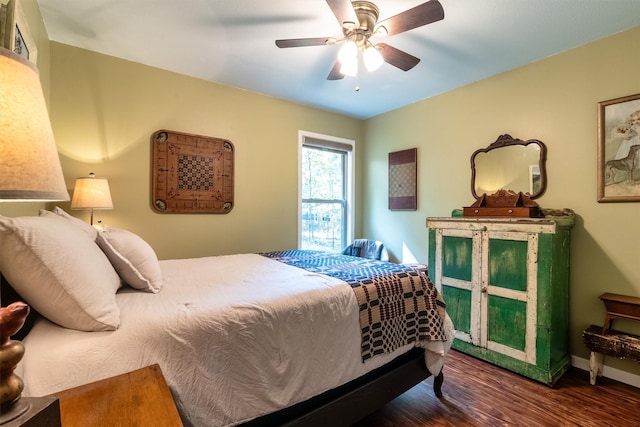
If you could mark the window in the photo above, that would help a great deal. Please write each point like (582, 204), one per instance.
(325, 192)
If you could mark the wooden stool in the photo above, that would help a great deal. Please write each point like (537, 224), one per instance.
(622, 306)
(604, 340)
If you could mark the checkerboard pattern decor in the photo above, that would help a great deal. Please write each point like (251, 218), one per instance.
(191, 173)
(403, 180)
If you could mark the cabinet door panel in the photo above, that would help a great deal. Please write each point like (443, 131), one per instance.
(506, 261)
(458, 307)
(507, 322)
(457, 261)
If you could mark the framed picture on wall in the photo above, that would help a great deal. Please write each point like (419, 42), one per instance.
(403, 180)
(14, 31)
(619, 149)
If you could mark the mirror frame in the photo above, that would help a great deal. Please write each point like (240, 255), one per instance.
(507, 140)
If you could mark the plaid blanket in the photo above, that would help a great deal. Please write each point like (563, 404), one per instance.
(398, 304)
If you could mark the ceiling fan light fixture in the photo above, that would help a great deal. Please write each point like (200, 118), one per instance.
(372, 58)
(359, 21)
(348, 52)
(349, 67)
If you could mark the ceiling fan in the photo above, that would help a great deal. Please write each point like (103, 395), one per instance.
(359, 21)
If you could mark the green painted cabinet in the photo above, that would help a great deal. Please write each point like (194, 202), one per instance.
(506, 286)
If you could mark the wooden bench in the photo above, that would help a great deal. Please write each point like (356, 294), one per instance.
(610, 343)
(606, 341)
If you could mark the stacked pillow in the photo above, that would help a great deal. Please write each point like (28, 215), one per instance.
(60, 272)
(133, 258)
(90, 230)
(69, 272)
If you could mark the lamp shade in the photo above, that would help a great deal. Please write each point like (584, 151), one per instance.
(348, 51)
(30, 169)
(91, 193)
(372, 58)
(349, 67)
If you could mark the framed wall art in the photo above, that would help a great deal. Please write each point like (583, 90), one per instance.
(191, 173)
(403, 183)
(619, 149)
(14, 31)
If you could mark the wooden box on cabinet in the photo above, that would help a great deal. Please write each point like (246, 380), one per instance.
(506, 285)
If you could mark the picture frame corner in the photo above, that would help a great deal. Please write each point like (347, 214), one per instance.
(15, 33)
(618, 154)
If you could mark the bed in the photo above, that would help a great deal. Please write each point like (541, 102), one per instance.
(280, 338)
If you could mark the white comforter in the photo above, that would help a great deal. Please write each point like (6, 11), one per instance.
(236, 337)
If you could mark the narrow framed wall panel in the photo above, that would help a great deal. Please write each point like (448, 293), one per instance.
(403, 181)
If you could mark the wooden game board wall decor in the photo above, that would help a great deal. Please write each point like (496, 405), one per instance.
(191, 173)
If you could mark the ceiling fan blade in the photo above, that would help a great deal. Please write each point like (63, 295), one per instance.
(423, 14)
(344, 12)
(397, 57)
(335, 73)
(316, 41)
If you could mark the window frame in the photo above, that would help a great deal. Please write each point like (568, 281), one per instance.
(335, 143)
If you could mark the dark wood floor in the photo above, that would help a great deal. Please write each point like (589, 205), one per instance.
(479, 394)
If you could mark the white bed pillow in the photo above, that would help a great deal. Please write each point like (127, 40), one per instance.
(84, 226)
(59, 271)
(133, 258)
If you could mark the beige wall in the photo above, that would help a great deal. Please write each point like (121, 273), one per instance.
(554, 100)
(104, 111)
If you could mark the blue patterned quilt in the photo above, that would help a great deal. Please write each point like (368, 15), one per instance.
(398, 304)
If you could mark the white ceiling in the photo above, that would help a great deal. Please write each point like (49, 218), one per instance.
(232, 42)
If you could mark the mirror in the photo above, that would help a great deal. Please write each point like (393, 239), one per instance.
(509, 164)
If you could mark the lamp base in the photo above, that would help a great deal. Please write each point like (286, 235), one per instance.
(13, 411)
(32, 412)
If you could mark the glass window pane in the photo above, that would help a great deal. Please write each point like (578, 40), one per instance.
(322, 174)
(322, 226)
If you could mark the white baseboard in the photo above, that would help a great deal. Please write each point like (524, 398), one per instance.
(613, 373)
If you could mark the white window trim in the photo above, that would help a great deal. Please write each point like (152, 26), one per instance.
(350, 214)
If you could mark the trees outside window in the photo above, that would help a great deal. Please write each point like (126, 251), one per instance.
(325, 193)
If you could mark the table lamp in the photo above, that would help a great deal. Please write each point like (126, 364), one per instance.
(30, 171)
(91, 193)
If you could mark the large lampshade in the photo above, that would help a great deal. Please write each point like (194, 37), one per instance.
(29, 165)
(29, 171)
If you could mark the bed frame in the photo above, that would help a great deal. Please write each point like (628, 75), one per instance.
(353, 401)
